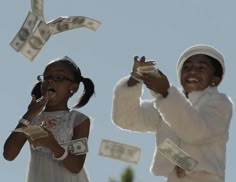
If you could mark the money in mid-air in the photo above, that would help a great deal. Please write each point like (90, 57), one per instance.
(77, 147)
(176, 155)
(119, 151)
(24, 32)
(66, 23)
(36, 41)
(33, 131)
(37, 7)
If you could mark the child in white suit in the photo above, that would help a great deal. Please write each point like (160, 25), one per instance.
(196, 118)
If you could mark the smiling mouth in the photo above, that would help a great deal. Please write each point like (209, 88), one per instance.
(192, 80)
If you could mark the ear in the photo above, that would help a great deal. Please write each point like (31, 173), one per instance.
(74, 87)
(215, 81)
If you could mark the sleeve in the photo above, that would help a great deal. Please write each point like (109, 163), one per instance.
(204, 122)
(130, 112)
(78, 118)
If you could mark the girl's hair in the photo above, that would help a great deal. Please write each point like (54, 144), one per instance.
(89, 89)
(217, 66)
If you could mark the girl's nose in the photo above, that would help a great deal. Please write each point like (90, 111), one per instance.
(193, 70)
(50, 80)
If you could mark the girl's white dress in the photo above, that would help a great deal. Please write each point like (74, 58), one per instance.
(43, 167)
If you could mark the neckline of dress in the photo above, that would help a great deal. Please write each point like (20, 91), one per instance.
(56, 112)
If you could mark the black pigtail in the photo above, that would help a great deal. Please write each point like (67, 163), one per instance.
(36, 90)
(89, 90)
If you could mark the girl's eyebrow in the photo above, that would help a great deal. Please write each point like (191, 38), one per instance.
(205, 62)
(201, 62)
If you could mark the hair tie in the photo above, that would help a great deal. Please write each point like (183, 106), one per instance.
(81, 78)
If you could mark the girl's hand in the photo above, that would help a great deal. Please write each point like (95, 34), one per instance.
(158, 84)
(141, 62)
(180, 173)
(134, 79)
(47, 142)
(35, 107)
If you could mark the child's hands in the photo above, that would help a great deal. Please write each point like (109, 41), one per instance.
(47, 142)
(35, 107)
(180, 173)
(135, 77)
(141, 62)
(159, 84)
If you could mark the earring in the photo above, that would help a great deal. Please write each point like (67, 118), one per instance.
(213, 84)
(71, 91)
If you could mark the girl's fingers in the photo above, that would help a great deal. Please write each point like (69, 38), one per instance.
(179, 172)
(142, 59)
(135, 58)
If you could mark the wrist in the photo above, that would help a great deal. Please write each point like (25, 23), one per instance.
(135, 76)
(25, 122)
(28, 116)
(133, 80)
(165, 94)
(61, 156)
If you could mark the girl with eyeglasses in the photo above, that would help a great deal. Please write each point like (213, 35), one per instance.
(52, 160)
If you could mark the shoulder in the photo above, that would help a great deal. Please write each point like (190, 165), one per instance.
(219, 100)
(79, 117)
(78, 114)
(81, 127)
(220, 97)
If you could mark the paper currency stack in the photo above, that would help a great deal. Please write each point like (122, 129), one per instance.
(35, 32)
(33, 131)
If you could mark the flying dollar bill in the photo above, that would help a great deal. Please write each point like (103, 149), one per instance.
(36, 41)
(37, 7)
(119, 151)
(66, 23)
(176, 155)
(24, 32)
(77, 147)
(33, 131)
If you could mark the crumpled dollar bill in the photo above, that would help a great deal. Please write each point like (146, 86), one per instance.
(176, 155)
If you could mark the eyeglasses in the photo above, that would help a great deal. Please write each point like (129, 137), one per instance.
(56, 78)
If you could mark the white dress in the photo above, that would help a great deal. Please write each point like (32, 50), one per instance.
(43, 167)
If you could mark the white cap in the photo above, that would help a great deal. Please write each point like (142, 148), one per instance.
(200, 49)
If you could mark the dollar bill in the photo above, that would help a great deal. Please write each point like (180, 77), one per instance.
(36, 41)
(77, 147)
(176, 155)
(119, 151)
(37, 7)
(24, 32)
(33, 131)
(66, 23)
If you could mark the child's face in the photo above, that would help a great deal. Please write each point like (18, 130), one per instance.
(58, 84)
(198, 73)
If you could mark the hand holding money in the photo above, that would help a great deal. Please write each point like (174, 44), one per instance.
(33, 132)
(136, 77)
(149, 69)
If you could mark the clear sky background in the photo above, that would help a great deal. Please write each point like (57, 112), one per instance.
(160, 30)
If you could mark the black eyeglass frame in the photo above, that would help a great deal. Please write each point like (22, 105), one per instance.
(56, 78)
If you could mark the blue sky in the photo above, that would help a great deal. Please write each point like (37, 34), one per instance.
(160, 30)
